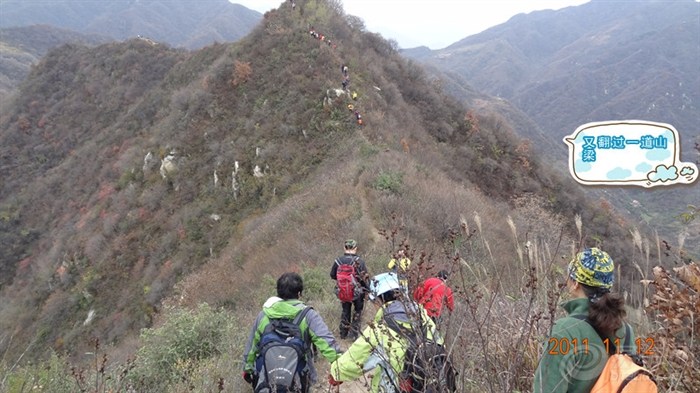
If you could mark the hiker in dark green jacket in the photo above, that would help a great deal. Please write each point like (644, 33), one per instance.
(577, 349)
(287, 305)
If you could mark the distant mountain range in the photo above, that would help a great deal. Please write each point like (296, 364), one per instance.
(30, 28)
(179, 23)
(603, 60)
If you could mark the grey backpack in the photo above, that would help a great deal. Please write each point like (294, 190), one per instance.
(281, 362)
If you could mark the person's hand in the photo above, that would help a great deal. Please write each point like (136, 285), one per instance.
(332, 380)
(248, 377)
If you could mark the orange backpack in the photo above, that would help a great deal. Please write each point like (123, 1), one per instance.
(623, 372)
(623, 375)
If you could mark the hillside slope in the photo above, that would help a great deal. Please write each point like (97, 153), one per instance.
(22, 47)
(132, 167)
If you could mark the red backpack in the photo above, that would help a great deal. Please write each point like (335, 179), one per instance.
(347, 286)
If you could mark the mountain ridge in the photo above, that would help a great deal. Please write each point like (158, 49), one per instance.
(97, 229)
(179, 23)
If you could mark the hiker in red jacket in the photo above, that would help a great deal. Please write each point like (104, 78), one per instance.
(433, 294)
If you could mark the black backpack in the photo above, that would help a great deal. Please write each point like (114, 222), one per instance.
(281, 363)
(427, 365)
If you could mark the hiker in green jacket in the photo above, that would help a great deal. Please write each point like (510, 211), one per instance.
(287, 305)
(577, 349)
(380, 348)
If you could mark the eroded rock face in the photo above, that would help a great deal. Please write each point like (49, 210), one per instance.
(168, 165)
(257, 172)
(150, 163)
(332, 95)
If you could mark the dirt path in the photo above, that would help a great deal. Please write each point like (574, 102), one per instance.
(346, 387)
(364, 208)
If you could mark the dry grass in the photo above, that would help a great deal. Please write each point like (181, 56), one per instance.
(507, 264)
(672, 341)
(507, 267)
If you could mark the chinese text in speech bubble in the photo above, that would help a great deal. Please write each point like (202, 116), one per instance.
(630, 152)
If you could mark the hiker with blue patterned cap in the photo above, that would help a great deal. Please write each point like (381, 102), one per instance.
(575, 354)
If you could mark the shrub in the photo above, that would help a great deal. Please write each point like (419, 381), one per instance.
(389, 181)
(50, 376)
(56, 375)
(242, 71)
(316, 283)
(169, 351)
(672, 349)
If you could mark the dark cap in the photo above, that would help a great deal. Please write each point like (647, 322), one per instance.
(443, 274)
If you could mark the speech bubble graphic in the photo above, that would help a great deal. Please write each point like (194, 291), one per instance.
(628, 152)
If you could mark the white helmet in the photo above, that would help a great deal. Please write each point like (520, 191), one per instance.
(382, 283)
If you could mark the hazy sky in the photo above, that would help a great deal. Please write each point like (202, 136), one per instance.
(433, 23)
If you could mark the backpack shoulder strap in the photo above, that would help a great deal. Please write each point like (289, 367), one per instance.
(394, 325)
(353, 261)
(297, 321)
(355, 265)
(301, 315)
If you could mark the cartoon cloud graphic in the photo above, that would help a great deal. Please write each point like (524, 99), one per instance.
(628, 152)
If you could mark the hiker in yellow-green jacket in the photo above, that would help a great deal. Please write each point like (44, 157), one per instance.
(576, 351)
(400, 265)
(379, 347)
